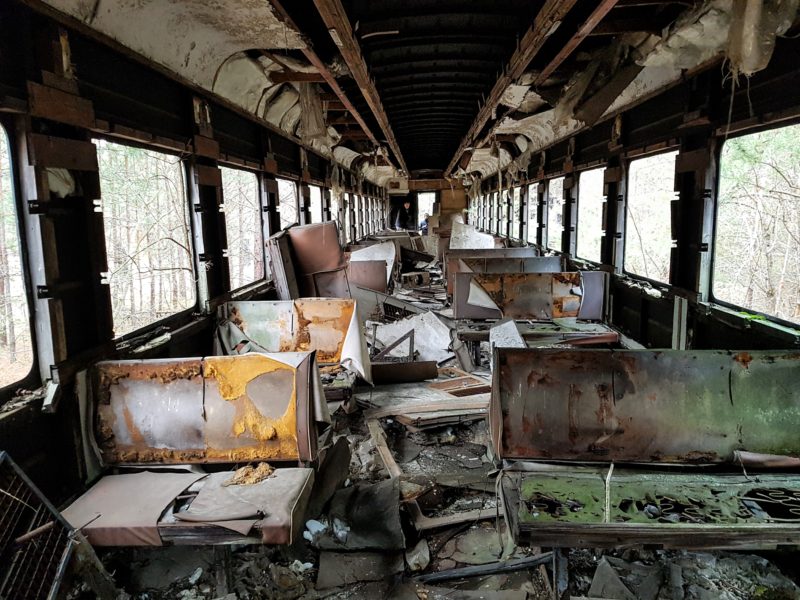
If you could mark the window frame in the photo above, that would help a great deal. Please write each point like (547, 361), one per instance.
(578, 214)
(178, 318)
(267, 277)
(562, 201)
(296, 182)
(630, 159)
(32, 379)
(712, 298)
(532, 226)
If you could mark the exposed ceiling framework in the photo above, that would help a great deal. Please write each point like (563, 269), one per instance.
(441, 75)
(459, 88)
(247, 52)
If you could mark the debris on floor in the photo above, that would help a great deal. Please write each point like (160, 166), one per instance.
(408, 493)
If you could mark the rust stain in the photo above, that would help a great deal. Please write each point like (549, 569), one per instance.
(539, 378)
(111, 373)
(262, 437)
(573, 400)
(273, 438)
(136, 435)
(237, 319)
(744, 359)
(510, 291)
(322, 326)
(605, 409)
(232, 374)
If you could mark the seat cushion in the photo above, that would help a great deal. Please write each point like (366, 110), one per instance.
(131, 510)
(123, 510)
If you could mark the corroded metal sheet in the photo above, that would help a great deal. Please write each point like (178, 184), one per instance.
(567, 506)
(452, 257)
(500, 264)
(540, 296)
(320, 324)
(217, 409)
(643, 405)
(150, 410)
(369, 274)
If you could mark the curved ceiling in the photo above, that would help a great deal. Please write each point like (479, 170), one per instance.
(433, 62)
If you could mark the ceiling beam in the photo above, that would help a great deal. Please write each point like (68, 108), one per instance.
(544, 25)
(584, 30)
(315, 60)
(343, 120)
(287, 76)
(335, 18)
(353, 134)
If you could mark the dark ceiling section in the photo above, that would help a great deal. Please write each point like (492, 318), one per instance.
(433, 61)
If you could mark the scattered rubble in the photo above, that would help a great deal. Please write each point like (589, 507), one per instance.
(405, 501)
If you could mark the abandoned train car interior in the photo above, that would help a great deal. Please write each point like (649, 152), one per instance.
(404, 299)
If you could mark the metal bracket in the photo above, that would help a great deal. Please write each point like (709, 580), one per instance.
(384, 354)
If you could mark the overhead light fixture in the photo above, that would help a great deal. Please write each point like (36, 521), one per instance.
(335, 37)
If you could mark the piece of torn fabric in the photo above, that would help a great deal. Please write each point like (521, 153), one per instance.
(369, 517)
(219, 502)
(123, 510)
(274, 503)
(229, 340)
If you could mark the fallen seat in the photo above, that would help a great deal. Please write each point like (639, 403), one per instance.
(161, 420)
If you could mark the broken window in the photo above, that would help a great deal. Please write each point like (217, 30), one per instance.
(243, 226)
(287, 199)
(590, 214)
(316, 203)
(148, 237)
(16, 346)
(555, 212)
(533, 207)
(648, 237)
(757, 241)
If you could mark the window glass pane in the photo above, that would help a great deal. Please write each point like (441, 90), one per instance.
(243, 226)
(590, 214)
(555, 212)
(148, 239)
(335, 207)
(348, 199)
(757, 245)
(287, 202)
(533, 207)
(514, 233)
(16, 347)
(648, 238)
(316, 204)
(502, 226)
